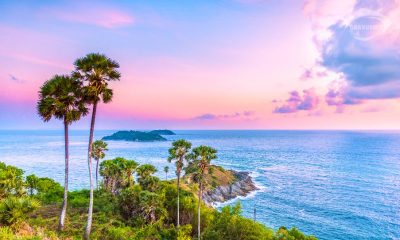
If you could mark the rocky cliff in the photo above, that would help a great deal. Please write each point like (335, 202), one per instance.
(241, 186)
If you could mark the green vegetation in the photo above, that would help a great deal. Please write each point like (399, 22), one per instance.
(98, 152)
(128, 209)
(135, 136)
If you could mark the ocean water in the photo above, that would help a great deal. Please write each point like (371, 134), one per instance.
(332, 184)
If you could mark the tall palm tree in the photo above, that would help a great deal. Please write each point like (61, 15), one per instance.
(98, 152)
(200, 162)
(61, 98)
(130, 167)
(166, 169)
(96, 71)
(178, 152)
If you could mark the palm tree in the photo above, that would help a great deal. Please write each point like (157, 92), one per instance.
(61, 98)
(201, 159)
(145, 178)
(130, 167)
(179, 152)
(96, 71)
(98, 152)
(166, 169)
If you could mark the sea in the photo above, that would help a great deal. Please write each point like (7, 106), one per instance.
(331, 184)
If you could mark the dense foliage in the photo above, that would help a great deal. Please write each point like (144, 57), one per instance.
(129, 210)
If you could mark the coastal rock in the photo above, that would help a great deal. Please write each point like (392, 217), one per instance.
(242, 186)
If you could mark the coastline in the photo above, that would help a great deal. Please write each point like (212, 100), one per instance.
(242, 187)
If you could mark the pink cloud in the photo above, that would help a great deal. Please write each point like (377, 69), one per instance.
(236, 115)
(103, 17)
(297, 102)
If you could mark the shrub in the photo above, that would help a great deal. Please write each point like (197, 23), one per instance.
(293, 234)
(13, 210)
(230, 225)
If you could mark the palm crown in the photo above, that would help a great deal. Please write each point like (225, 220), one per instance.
(99, 148)
(179, 152)
(97, 70)
(61, 98)
(201, 158)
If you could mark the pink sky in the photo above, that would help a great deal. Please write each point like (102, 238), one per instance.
(232, 65)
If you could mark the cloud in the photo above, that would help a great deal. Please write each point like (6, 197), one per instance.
(15, 79)
(359, 40)
(297, 102)
(236, 115)
(106, 17)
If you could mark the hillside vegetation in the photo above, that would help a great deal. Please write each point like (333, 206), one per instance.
(136, 208)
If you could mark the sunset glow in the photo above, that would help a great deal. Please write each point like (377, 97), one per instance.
(210, 64)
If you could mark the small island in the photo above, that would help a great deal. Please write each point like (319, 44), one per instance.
(135, 136)
(162, 132)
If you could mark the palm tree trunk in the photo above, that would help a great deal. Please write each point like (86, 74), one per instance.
(198, 213)
(97, 173)
(86, 235)
(177, 219)
(65, 199)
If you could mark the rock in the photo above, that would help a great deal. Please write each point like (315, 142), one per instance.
(242, 186)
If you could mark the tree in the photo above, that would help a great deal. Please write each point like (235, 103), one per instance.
(130, 168)
(98, 152)
(11, 181)
(200, 162)
(61, 98)
(117, 173)
(179, 152)
(32, 183)
(145, 178)
(166, 169)
(96, 71)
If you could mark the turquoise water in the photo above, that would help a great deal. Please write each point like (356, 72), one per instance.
(333, 184)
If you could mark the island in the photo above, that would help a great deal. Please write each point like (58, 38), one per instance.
(162, 132)
(134, 136)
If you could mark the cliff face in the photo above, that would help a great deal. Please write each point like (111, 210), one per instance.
(242, 186)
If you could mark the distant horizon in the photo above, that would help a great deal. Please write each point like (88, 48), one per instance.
(242, 129)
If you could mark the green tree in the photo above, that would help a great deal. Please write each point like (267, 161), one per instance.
(179, 152)
(145, 178)
(130, 167)
(117, 173)
(98, 152)
(32, 183)
(96, 71)
(201, 158)
(11, 181)
(166, 169)
(61, 98)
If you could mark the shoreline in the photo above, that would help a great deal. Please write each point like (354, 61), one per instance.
(243, 187)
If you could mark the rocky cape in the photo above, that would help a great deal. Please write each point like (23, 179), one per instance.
(242, 186)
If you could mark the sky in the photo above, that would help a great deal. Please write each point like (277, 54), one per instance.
(221, 64)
